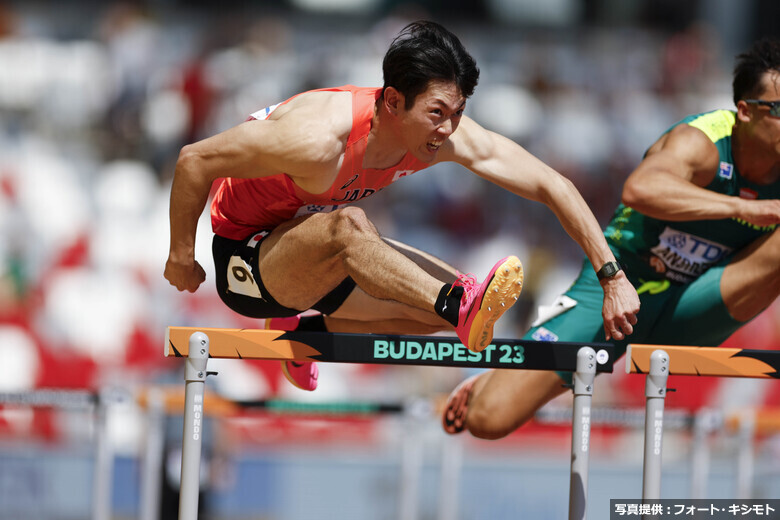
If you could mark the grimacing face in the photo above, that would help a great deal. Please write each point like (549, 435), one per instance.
(433, 118)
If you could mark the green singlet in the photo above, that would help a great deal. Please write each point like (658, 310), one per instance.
(675, 266)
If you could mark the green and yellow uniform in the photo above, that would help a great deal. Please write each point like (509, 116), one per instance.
(675, 266)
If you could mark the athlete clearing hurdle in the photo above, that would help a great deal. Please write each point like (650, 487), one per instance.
(281, 246)
(697, 234)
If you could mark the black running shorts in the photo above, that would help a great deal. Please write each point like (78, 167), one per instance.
(236, 262)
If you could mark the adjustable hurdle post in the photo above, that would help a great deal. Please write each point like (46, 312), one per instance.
(745, 455)
(104, 463)
(655, 393)
(583, 380)
(195, 384)
(152, 461)
(705, 422)
(451, 467)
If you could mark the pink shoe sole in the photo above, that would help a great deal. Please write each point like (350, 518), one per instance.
(301, 374)
(502, 288)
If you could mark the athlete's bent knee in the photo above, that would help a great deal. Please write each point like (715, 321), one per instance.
(351, 222)
(353, 217)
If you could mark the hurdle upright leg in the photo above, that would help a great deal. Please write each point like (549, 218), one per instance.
(703, 426)
(104, 463)
(154, 453)
(411, 466)
(583, 379)
(195, 385)
(449, 483)
(655, 393)
(745, 455)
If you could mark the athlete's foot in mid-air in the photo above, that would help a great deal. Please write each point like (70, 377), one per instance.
(302, 374)
(454, 415)
(482, 304)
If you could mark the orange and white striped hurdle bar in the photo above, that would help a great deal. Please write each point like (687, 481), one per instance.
(197, 345)
(707, 361)
(660, 361)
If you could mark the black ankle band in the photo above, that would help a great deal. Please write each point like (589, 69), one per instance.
(448, 303)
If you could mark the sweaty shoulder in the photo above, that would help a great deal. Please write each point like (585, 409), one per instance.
(319, 120)
(692, 148)
(328, 108)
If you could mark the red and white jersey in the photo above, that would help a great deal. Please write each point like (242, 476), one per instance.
(243, 206)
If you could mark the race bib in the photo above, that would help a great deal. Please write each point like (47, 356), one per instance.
(683, 257)
(240, 279)
(315, 208)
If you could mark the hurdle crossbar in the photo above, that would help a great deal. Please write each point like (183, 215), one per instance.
(707, 361)
(385, 349)
(197, 345)
(172, 402)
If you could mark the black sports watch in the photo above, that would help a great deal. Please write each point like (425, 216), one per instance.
(608, 270)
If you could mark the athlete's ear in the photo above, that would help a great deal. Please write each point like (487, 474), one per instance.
(744, 113)
(393, 100)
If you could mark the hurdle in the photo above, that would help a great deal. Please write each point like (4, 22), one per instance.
(745, 425)
(748, 424)
(165, 400)
(95, 402)
(701, 424)
(197, 345)
(658, 362)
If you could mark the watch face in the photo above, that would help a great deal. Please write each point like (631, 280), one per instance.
(609, 269)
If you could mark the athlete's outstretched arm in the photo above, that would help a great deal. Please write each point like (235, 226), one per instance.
(508, 165)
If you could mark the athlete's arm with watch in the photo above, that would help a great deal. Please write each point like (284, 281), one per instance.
(608, 270)
(618, 294)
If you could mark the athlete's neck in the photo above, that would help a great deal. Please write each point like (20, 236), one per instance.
(383, 148)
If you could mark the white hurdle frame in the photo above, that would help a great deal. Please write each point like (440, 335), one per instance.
(546, 355)
(658, 362)
(98, 404)
(655, 394)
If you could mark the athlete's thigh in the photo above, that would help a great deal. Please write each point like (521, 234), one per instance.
(696, 314)
(430, 264)
(297, 262)
(751, 279)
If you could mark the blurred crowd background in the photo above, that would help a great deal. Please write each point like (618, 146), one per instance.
(97, 98)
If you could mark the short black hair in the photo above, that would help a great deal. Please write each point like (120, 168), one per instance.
(763, 56)
(424, 51)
